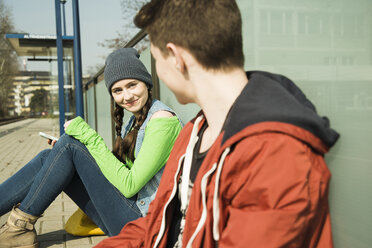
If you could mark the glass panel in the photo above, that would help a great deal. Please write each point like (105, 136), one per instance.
(90, 118)
(185, 112)
(85, 105)
(104, 114)
(326, 48)
(145, 57)
(69, 86)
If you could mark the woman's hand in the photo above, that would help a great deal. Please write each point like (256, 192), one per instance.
(67, 123)
(52, 142)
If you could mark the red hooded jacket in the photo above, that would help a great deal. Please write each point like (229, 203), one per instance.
(264, 182)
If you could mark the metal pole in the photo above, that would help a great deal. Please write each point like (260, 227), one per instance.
(77, 60)
(64, 17)
(67, 90)
(60, 68)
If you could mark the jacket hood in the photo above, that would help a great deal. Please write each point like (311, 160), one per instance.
(274, 98)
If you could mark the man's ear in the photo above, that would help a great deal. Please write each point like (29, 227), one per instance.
(177, 56)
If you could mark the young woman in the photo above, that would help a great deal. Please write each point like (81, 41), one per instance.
(112, 188)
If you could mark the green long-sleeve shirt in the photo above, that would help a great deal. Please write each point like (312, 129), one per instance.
(160, 135)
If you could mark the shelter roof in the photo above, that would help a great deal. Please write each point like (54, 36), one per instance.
(33, 45)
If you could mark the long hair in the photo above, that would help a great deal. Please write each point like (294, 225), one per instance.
(124, 148)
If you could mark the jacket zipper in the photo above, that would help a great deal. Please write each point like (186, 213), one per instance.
(215, 199)
(174, 190)
(186, 159)
(204, 202)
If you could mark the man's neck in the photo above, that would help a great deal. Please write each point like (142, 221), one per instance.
(216, 92)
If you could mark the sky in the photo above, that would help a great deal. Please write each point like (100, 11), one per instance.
(99, 20)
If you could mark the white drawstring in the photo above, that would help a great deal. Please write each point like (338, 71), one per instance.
(216, 206)
(185, 179)
(187, 164)
(185, 187)
(203, 216)
(215, 200)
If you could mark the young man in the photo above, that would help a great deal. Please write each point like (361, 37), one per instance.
(248, 171)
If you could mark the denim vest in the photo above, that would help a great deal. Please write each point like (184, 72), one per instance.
(148, 192)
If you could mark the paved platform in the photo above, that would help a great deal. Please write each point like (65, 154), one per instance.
(19, 143)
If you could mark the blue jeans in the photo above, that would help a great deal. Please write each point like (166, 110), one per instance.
(68, 167)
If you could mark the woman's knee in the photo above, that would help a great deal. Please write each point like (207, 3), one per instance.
(65, 139)
(68, 142)
(44, 153)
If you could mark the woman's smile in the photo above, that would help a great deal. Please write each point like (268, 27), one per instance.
(131, 103)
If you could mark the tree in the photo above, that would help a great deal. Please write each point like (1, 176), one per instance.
(129, 10)
(8, 58)
(39, 101)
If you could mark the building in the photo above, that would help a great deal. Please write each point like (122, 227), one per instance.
(25, 83)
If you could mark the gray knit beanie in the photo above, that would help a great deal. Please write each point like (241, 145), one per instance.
(124, 63)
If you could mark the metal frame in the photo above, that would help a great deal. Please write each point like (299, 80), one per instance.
(61, 101)
(77, 60)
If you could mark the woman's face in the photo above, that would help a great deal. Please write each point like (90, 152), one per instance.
(130, 94)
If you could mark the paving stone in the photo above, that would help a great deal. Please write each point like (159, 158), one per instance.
(52, 244)
(51, 226)
(52, 236)
(97, 239)
(55, 209)
(72, 240)
(78, 245)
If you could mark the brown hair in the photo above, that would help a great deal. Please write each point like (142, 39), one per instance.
(124, 148)
(210, 29)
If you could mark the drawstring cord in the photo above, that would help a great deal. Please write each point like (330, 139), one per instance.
(216, 206)
(203, 189)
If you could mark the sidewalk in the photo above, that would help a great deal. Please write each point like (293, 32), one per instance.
(19, 143)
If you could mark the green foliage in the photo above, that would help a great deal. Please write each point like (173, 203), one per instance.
(8, 58)
(129, 30)
(39, 100)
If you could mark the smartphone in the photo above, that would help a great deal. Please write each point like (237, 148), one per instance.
(47, 136)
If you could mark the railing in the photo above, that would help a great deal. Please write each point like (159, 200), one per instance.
(8, 120)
